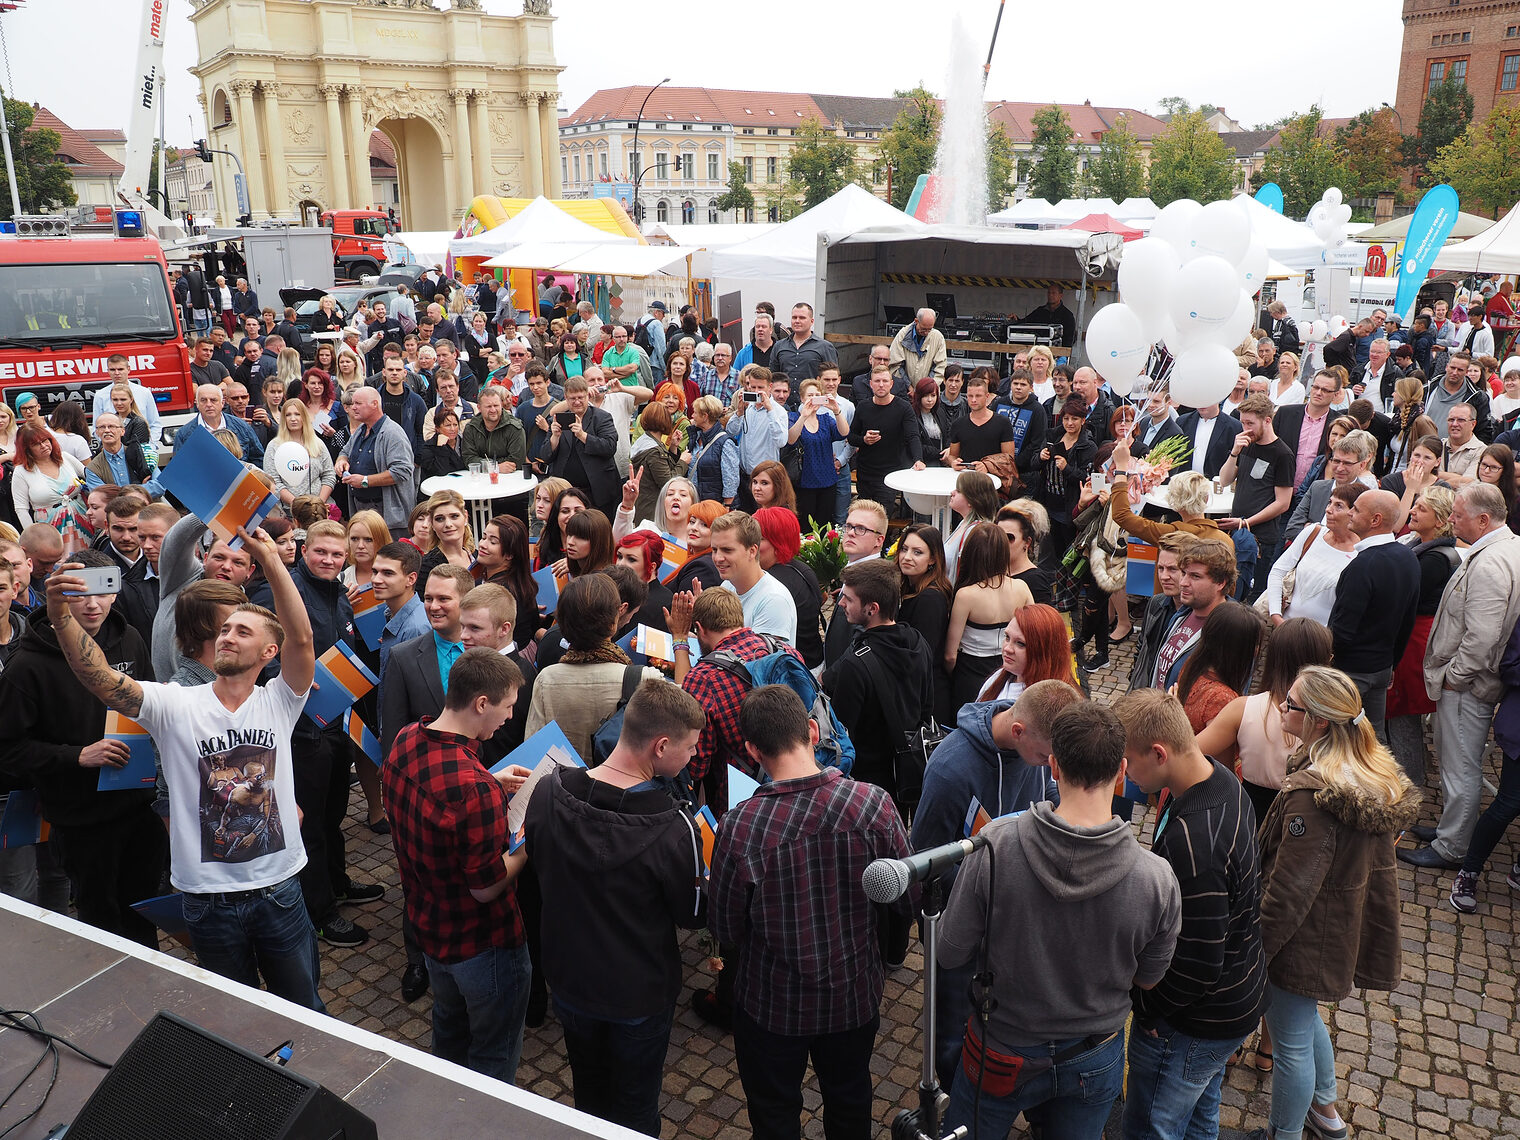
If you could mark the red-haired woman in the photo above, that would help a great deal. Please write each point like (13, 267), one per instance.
(1035, 648)
(780, 540)
(644, 551)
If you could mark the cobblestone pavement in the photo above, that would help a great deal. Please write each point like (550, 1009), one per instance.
(1437, 1057)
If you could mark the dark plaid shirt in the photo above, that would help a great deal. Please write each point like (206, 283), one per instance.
(449, 825)
(786, 890)
(720, 694)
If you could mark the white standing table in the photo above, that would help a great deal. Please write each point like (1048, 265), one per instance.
(928, 493)
(480, 493)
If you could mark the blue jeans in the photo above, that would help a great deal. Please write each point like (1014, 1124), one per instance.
(478, 1010)
(842, 492)
(618, 1067)
(244, 934)
(1070, 1101)
(1174, 1082)
(1305, 1060)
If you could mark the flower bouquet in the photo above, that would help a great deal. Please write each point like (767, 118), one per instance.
(1156, 468)
(822, 552)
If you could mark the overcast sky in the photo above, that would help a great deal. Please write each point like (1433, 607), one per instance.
(77, 57)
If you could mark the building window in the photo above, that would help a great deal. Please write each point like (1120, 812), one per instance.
(749, 168)
(602, 163)
(564, 169)
(1459, 70)
(686, 126)
(577, 168)
(773, 214)
(772, 131)
(1437, 73)
(749, 214)
(662, 211)
(1509, 73)
(1512, 31)
(689, 166)
(688, 213)
(661, 164)
(712, 167)
(1467, 37)
(770, 169)
(747, 131)
(712, 211)
(635, 165)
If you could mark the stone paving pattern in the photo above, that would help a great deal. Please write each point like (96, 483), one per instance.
(1437, 1057)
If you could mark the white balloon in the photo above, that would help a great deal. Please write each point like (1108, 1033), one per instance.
(1205, 374)
(1206, 292)
(1219, 230)
(1332, 196)
(1176, 340)
(1510, 364)
(1340, 214)
(1147, 273)
(1241, 321)
(1253, 268)
(1320, 332)
(1174, 221)
(1116, 342)
(1325, 228)
(292, 460)
(1337, 325)
(1122, 385)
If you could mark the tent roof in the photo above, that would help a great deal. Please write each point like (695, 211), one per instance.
(1468, 225)
(1105, 224)
(791, 249)
(1495, 250)
(539, 221)
(612, 258)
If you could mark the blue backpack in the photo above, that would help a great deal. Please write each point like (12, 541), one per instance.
(779, 667)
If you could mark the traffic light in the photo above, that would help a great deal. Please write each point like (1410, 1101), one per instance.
(202, 151)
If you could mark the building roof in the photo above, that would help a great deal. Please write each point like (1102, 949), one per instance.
(1249, 142)
(83, 158)
(382, 152)
(104, 134)
(789, 108)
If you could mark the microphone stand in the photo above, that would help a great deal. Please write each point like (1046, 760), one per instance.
(923, 1123)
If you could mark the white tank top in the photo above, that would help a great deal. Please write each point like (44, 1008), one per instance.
(1264, 747)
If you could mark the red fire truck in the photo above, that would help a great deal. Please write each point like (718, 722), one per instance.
(68, 303)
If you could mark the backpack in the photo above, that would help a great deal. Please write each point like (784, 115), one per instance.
(641, 337)
(778, 667)
(605, 738)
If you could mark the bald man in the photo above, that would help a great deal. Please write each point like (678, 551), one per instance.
(1375, 601)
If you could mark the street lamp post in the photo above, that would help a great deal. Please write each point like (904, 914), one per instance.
(638, 207)
(1396, 115)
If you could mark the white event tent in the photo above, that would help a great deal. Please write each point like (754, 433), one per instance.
(539, 222)
(782, 266)
(1495, 250)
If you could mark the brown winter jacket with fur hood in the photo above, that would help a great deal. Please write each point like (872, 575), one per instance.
(1329, 887)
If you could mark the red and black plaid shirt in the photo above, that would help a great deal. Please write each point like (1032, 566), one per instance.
(786, 890)
(720, 694)
(449, 825)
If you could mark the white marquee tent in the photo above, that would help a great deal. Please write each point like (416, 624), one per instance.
(540, 221)
(1495, 250)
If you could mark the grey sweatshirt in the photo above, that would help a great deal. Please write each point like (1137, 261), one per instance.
(1081, 914)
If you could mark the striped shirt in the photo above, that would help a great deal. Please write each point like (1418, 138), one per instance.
(1216, 983)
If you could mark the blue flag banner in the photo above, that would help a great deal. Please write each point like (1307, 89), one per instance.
(1271, 196)
(1429, 228)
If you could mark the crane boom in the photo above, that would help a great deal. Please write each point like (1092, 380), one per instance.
(142, 128)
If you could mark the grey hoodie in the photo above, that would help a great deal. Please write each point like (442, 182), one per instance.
(1081, 914)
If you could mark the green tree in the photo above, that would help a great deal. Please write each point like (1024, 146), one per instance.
(738, 197)
(999, 167)
(1483, 166)
(1188, 160)
(42, 181)
(1445, 116)
(1055, 167)
(1304, 163)
(1177, 105)
(908, 145)
(1372, 150)
(1118, 169)
(821, 165)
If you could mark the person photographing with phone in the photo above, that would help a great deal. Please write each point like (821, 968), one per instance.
(582, 443)
(759, 426)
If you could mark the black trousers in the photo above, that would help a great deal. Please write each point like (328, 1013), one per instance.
(114, 865)
(816, 503)
(773, 1065)
(321, 776)
(874, 487)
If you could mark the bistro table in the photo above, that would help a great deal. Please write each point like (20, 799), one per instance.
(928, 493)
(480, 493)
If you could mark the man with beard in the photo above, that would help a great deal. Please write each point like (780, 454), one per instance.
(235, 849)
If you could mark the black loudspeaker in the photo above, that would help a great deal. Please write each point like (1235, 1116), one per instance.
(178, 1082)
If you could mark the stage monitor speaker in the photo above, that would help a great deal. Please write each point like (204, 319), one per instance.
(178, 1082)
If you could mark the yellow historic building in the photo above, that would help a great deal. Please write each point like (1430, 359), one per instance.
(294, 88)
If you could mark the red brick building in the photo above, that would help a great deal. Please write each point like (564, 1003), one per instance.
(1476, 41)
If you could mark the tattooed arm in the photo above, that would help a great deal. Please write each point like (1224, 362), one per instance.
(115, 689)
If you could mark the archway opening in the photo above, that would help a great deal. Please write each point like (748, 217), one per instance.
(419, 171)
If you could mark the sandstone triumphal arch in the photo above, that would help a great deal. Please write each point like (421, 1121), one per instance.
(294, 88)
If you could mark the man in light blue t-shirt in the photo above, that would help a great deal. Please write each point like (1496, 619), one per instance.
(768, 605)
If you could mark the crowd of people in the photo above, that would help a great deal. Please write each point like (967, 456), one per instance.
(1331, 563)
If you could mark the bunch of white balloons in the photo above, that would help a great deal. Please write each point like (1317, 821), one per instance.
(1190, 286)
(1328, 217)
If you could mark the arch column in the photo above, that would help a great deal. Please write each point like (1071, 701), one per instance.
(533, 152)
(464, 164)
(274, 131)
(358, 149)
(248, 142)
(337, 176)
(481, 132)
(549, 145)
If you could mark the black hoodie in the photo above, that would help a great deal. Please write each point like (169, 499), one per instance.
(49, 718)
(883, 682)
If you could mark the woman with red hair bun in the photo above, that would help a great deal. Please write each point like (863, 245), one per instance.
(643, 551)
(780, 540)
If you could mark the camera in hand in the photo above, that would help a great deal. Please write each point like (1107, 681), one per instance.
(565, 419)
(751, 397)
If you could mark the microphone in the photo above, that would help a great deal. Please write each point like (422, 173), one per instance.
(887, 880)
